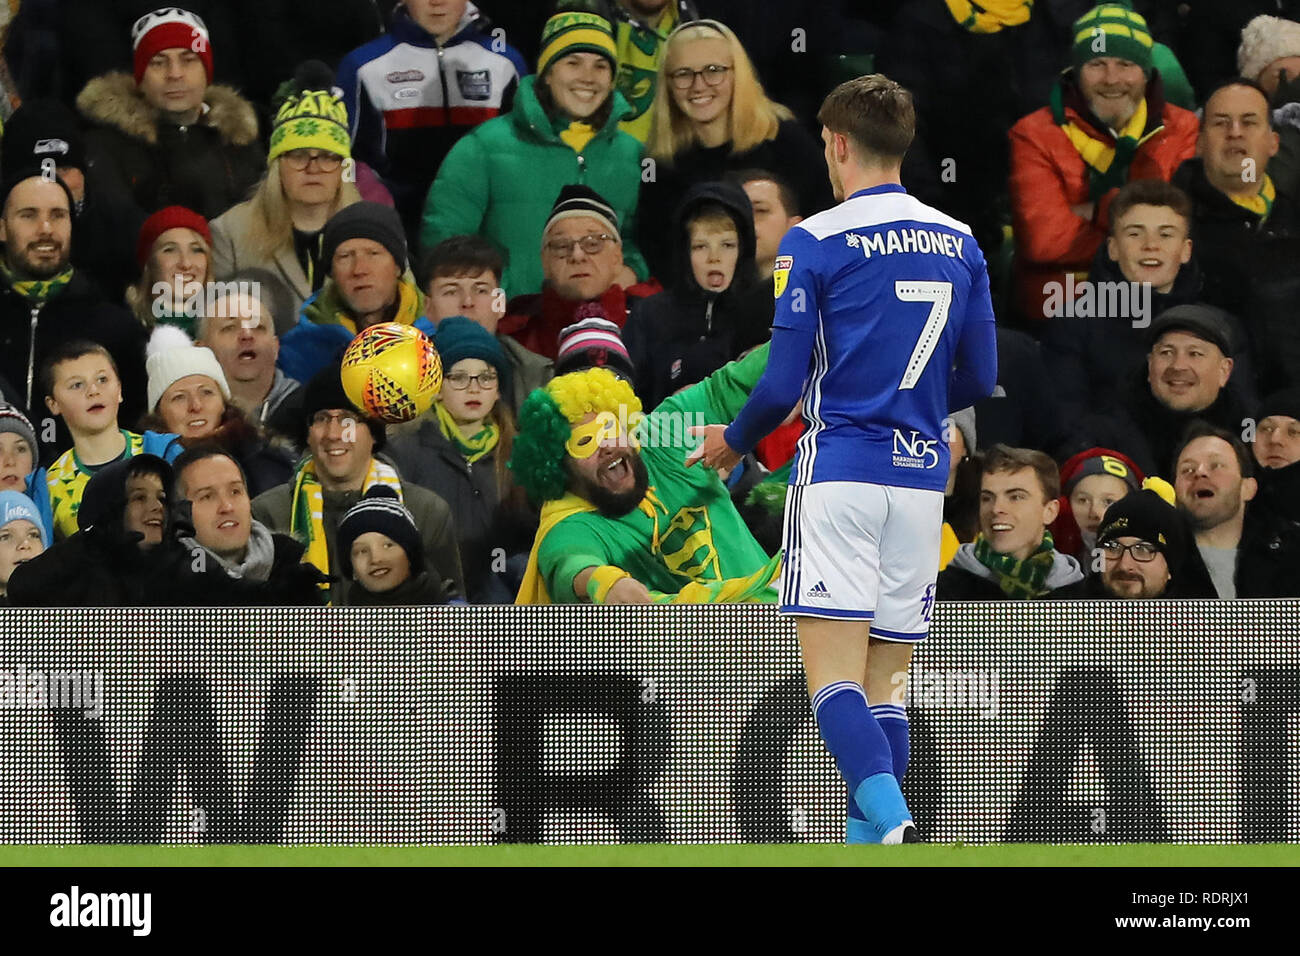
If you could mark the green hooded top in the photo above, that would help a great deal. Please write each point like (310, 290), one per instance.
(501, 180)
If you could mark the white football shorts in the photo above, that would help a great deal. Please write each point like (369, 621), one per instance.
(861, 552)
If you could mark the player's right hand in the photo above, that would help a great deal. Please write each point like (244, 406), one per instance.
(628, 591)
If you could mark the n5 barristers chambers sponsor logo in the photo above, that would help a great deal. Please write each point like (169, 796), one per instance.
(76, 909)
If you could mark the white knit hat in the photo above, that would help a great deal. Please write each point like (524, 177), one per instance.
(167, 366)
(1265, 39)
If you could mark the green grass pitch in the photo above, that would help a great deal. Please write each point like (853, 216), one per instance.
(659, 855)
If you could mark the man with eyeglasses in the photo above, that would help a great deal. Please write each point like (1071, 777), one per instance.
(342, 464)
(1239, 552)
(364, 248)
(582, 262)
(1143, 543)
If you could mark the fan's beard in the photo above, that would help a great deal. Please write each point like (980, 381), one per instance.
(613, 504)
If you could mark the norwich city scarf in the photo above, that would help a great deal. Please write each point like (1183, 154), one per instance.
(1019, 579)
(1107, 164)
(989, 16)
(474, 447)
(1261, 204)
(307, 509)
(36, 291)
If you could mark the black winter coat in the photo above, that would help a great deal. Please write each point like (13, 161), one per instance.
(1140, 427)
(422, 588)
(135, 155)
(78, 312)
(1268, 561)
(794, 155)
(484, 522)
(1088, 358)
(683, 334)
(1250, 270)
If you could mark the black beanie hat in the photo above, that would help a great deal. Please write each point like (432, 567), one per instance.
(364, 220)
(41, 130)
(1284, 402)
(380, 510)
(325, 390)
(1144, 514)
(578, 200)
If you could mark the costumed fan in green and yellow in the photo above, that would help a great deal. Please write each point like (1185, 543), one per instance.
(618, 500)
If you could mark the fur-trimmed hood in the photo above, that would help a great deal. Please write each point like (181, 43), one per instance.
(114, 100)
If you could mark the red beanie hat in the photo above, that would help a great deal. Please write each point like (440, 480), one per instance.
(170, 217)
(168, 29)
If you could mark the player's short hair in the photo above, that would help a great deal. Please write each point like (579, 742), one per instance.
(712, 215)
(875, 113)
(1240, 81)
(70, 351)
(461, 256)
(1001, 458)
(784, 191)
(1199, 428)
(1149, 192)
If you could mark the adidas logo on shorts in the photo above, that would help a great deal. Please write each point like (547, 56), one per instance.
(818, 590)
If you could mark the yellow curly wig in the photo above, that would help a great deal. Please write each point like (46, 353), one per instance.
(592, 390)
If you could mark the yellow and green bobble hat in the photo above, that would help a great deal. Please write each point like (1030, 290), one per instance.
(311, 119)
(1112, 29)
(576, 32)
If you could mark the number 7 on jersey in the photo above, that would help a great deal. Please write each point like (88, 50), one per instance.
(939, 295)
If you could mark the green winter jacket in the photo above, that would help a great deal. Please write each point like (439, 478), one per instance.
(501, 179)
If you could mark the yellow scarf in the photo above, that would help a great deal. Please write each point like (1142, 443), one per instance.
(989, 16)
(577, 135)
(307, 508)
(532, 590)
(409, 308)
(1099, 155)
(1261, 204)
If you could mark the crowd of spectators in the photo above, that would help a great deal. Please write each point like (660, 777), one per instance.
(581, 202)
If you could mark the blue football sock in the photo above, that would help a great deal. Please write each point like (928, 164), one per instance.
(882, 802)
(893, 721)
(861, 752)
(857, 828)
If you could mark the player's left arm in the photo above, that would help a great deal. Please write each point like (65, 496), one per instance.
(794, 333)
(975, 374)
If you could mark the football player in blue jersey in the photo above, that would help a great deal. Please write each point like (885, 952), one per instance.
(883, 326)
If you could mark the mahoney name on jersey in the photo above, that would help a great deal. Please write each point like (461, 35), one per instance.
(924, 241)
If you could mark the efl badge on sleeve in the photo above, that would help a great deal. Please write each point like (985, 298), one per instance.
(781, 274)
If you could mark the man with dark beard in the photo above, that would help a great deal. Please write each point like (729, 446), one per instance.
(41, 295)
(624, 521)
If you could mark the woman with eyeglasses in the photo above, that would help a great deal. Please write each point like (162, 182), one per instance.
(711, 117)
(310, 175)
(460, 448)
(500, 180)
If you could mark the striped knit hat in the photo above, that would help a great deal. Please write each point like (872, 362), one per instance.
(380, 510)
(575, 200)
(312, 116)
(168, 29)
(576, 32)
(1112, 29)
(591, 343)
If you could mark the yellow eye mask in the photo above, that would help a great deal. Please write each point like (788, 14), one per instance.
(585, 440)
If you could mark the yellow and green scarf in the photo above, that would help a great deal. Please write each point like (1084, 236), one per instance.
(989, 16)
(36, 291)
(1261, 203)
(1019, 579)
(474, 447)
(1107, 163)
(307, 508)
